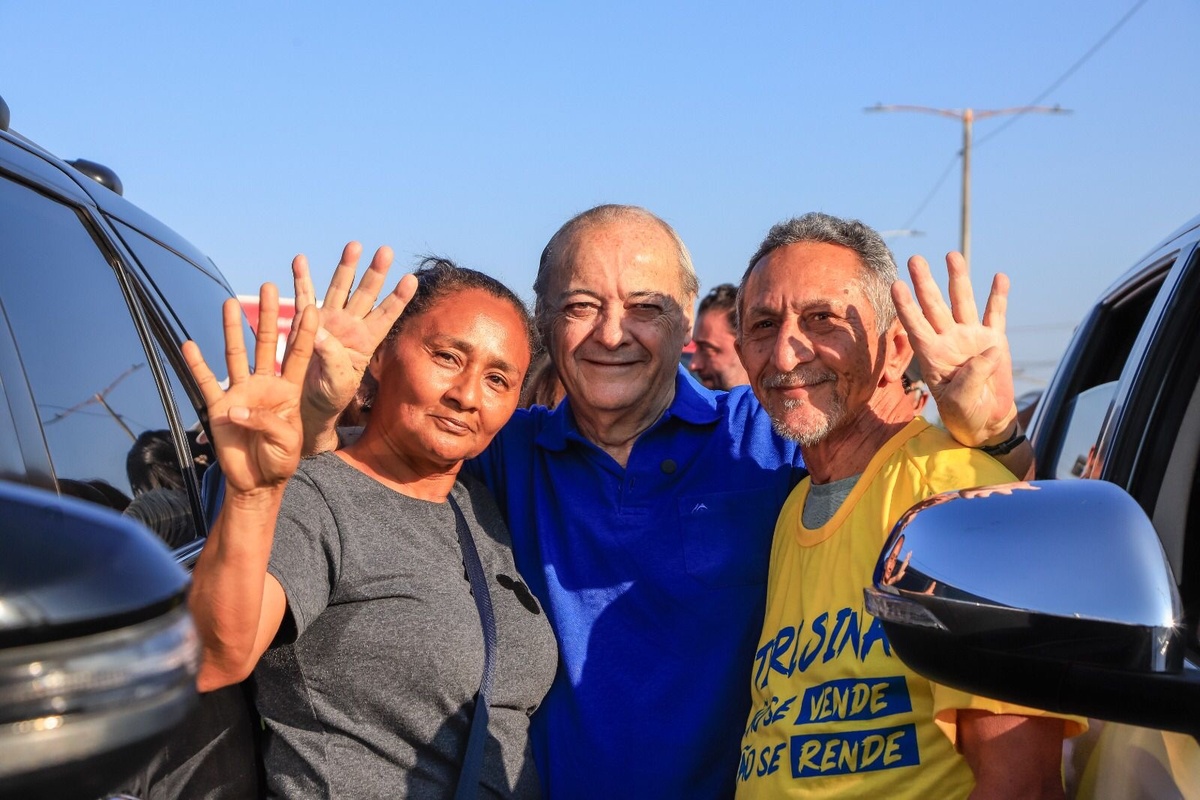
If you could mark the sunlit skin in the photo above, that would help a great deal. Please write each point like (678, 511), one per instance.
(620, 320)
(447, 384)
(816, 361)
(715, 362)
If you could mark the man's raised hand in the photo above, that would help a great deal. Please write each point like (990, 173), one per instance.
(965, 361)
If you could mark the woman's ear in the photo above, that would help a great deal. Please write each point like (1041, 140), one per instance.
(375, 365)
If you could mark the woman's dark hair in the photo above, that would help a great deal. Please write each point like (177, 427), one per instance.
(152, 463)
(438, 278)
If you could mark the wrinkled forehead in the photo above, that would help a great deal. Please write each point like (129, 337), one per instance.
(805, 272)
(624, 256)
(475, 320)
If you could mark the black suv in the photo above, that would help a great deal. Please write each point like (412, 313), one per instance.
(1080, 592)
(100, 424)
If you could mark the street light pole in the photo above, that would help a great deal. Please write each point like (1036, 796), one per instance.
(968, 116)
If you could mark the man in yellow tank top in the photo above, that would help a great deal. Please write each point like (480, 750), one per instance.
(835, 713)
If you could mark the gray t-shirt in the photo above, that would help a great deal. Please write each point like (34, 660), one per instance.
(824, 499)
(369, 689)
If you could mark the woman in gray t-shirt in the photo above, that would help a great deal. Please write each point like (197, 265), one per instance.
(345, 585)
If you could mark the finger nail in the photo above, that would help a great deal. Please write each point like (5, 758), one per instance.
(322, 334)
(239, 413)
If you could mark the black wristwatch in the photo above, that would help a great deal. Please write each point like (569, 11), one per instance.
(1007, 446)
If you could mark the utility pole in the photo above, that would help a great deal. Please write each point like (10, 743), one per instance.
(968, 116)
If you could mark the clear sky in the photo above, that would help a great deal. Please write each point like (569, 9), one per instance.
(474, 129)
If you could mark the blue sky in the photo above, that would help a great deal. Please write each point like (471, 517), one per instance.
(474, 130)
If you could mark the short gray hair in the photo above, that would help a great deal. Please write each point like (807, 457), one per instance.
(878, 265)
(601, 215)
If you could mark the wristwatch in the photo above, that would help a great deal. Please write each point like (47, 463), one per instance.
(1007, 446)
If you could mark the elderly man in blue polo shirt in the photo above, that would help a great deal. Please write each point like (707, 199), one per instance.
(641, 508)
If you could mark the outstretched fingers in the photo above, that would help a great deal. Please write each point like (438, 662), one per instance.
(343, 276)
(300, 349)
(995, 313)
(911, 316)
(206, 381)
(933, 306)
(962, 296)
(236, 361)
(267, 335)
(302, 284)
(363, 299)
(380, 320)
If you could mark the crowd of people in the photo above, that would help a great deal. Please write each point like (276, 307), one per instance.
(670, 603)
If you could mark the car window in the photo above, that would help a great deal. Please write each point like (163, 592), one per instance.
(192, 310)
(100, 408)
(1085, 418)
(193, 298)
(12, 465)
(1071, 414)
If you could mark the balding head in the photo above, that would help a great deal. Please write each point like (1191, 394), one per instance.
(560, 244)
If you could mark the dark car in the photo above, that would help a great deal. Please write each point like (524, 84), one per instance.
(1080, 592)
(101, 432)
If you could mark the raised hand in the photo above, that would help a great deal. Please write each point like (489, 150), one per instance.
(255, 423)
(965, 362)
(351, 327)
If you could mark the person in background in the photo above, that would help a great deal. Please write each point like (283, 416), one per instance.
(715, 362)
(641, 507)
(339, 581)
(160, 501)
(835, 712)
(915, 388)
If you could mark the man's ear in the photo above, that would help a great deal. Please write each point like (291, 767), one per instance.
(899, 352)
(689, 316)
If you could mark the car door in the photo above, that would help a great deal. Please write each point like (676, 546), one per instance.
(1125, 408)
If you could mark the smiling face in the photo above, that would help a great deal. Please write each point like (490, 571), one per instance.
(618, 318)
(450, 379)
(809, 339)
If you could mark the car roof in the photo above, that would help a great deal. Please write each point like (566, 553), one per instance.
(1156, 258)
(41, 166)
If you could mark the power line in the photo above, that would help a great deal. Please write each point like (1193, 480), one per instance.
(1070, 71)
(1012, 120)
(938, 185)
(967, 117)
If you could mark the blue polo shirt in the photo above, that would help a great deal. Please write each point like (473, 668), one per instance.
(653, 577)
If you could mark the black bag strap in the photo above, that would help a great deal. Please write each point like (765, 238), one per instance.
(472, 768)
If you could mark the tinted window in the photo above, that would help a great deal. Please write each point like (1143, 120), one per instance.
(12, 465)
(193, 297)
(84, 360)
(1086, 416)
(192, 310)
(1070, 423)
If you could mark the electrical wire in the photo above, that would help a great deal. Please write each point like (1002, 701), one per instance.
(938, 185)
(1070, 71)
(1011, 120)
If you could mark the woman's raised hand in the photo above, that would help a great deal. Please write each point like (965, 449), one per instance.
(255, 422)
(351, 327)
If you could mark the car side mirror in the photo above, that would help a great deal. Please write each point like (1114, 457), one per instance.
(98, 653)
(1050, 594)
